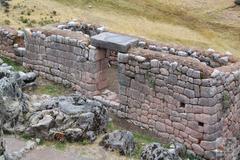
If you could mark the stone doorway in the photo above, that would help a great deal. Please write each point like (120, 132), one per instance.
(109, 95)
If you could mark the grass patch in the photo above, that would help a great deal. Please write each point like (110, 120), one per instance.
(60, 146)
(111, 127)
(141, 141)
(85, 142)
(16, 66)
(51, 89)
(191, 157)
(25, 136)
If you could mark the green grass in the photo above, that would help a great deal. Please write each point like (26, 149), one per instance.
(85, 142)
(16, 66)
(60, 146)
(141, 141)
(51, 89)
(25, 136)
(191, 157)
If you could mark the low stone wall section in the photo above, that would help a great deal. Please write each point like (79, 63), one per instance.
(7, 40)
(70, 61)
(180, 98)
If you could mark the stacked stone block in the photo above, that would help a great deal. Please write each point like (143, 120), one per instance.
(209, 57)
(7, 40)
(67, 60)
(193, 104)
(112, 57)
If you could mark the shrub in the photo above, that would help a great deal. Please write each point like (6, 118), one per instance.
(29, 13)
(54, 13)
(226, 102)
(23, 20)
(7, 22)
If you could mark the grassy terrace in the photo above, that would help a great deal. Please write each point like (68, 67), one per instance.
(203, 24)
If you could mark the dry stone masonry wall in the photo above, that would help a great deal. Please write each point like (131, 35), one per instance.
(71, 61)
(7, 38)
(11, 43)
(185, 94)
(181, 98)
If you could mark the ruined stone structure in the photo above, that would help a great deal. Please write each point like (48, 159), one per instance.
(7, 39)
(181, 98)
(67, 60)
(188, 95)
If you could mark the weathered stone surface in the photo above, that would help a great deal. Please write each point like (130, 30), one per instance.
(181, 53)
(113, 41)
(140, 58)
(122, 57)
(208, 92)
(122, 141)
(48, 118)
(198, 149)
(155, 151)
(28, 77)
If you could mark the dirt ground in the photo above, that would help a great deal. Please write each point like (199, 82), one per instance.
(70, 152)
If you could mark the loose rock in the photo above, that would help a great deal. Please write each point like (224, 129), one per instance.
(122, 141)
(155, 151)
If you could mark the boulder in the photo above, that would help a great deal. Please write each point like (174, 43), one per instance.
(40, 125)
(237, 2)
(28, 77)
(155, 151)
(13, 102)
(2, 147)
(73, 134)
(72, 118)
(20, 51)
(4, 3)
(122, 141)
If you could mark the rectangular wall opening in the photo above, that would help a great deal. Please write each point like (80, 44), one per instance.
(109, 95)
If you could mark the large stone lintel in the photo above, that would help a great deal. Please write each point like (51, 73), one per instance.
(113, 41)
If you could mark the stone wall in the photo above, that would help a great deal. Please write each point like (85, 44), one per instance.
(181, 98)
(112, 57)
(12, 43)
(7, 40)
(208, 57)
(66, 58)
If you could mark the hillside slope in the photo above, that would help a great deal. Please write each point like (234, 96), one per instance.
(198, 23)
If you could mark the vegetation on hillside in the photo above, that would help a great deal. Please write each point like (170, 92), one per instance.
(204, 24)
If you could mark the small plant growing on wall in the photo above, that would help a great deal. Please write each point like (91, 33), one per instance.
(7, 22)
(150, 80)
(226, 101)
